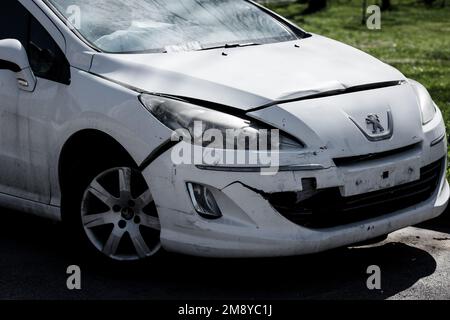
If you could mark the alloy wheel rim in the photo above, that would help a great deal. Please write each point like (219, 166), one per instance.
(119, 216)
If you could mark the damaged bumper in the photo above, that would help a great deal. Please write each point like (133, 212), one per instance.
(296, 212)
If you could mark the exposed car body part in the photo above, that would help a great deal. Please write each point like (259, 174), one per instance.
(327, 208)
(362, 133)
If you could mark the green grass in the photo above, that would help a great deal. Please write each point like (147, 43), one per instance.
(413, 38)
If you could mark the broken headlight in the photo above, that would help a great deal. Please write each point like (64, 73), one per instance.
(427, 105)
(214, 129)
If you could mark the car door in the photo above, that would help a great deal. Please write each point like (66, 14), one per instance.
(25, 116)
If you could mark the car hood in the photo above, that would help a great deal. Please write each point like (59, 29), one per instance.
(248, 77)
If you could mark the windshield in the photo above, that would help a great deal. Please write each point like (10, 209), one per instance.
(120, 26)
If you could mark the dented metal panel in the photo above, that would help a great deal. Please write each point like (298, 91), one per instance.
(248, 77)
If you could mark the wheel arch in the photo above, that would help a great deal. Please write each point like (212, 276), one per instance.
(84, 142)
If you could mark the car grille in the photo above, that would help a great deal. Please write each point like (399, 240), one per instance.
(327, 208)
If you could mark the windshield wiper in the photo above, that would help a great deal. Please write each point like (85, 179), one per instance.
(231, 45)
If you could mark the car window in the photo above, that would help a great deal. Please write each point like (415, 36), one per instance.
(118, 26)
(46, 58)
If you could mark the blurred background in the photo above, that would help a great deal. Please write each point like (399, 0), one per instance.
(414, 35)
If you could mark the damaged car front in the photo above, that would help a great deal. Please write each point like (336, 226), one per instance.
(353, 164)
(282, 142)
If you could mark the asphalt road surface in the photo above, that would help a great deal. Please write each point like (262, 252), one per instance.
(414, 262)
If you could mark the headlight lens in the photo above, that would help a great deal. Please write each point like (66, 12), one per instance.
(426, 103)
(237, 133)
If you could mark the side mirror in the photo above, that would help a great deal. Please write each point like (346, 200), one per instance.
(13, 57)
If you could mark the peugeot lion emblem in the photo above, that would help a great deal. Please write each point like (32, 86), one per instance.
(376, 127)
(374, 121)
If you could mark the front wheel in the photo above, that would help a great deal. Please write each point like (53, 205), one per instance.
(119, 216)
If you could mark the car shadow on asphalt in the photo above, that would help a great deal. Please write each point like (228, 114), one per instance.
(34, 259)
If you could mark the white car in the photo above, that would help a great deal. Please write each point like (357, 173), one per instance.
(118, 117)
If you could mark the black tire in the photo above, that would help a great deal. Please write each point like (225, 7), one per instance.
(81, 173)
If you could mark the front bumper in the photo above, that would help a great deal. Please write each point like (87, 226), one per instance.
(251, 227)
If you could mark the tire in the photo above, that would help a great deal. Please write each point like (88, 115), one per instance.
(109, 209)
